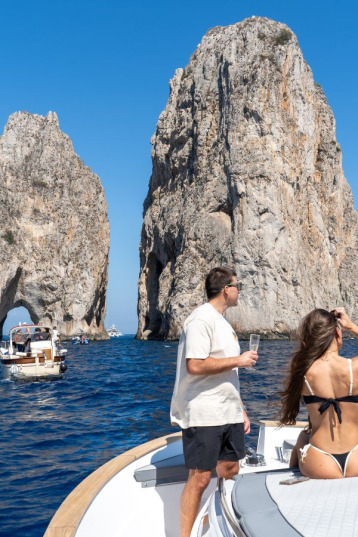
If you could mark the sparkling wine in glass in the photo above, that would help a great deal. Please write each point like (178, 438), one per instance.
(254, 342)
(254, 345)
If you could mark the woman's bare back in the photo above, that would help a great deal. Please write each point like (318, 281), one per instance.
(329, 379)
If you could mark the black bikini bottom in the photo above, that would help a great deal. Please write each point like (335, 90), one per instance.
(341, 459)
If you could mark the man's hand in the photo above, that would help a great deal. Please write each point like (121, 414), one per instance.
(247, 359)
(247, 427)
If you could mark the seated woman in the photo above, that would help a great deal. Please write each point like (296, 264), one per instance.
(328, 384)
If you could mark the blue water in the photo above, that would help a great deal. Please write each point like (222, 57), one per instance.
(114, 395)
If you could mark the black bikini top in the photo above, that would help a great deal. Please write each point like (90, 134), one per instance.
(327, 402)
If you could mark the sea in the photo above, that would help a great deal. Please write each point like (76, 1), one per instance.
(114, 395)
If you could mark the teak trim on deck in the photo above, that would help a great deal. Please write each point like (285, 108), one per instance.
(70, 513)
(269, 423)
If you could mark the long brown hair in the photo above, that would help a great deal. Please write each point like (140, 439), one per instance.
(315, 334)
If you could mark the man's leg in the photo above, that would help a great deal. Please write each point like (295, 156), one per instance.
(197, 482)
(233, 449)
(227, 469)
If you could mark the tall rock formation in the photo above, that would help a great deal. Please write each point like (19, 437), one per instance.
(247, 173)
(54, 229)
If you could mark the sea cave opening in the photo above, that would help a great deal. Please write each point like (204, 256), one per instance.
(14, 317)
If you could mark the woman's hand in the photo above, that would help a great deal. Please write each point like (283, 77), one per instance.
(344, 321)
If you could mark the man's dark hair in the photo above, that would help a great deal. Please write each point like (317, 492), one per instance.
(216, 280)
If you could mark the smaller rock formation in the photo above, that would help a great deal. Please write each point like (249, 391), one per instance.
(54, 229)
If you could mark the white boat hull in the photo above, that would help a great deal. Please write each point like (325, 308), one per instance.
(111, 502)
(34, 369)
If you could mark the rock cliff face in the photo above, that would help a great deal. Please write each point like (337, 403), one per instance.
(54, 229)
(247, 173)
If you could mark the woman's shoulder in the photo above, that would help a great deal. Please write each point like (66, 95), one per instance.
(316, 369)
(322, 371)
(339, 362)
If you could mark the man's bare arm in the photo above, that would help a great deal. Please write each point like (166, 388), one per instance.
(212, 366)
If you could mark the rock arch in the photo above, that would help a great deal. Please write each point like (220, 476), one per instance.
(55, 231)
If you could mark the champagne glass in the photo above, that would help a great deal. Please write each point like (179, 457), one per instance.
(254, 342)
(254, 345)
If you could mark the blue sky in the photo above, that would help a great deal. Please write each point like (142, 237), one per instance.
(104, 68)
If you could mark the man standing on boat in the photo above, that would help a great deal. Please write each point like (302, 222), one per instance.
(206, 402)
(56, 336)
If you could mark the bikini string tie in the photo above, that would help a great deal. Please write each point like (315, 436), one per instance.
(324, 406)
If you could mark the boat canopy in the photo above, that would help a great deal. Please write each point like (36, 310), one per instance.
(35, 331)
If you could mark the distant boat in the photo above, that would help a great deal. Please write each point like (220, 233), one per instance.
(33, 352)
(114, 332)
(80, 340)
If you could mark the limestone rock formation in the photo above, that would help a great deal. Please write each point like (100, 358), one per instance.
(54, 229)
(247, 173)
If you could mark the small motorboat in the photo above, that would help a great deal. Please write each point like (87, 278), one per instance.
(32, 352)
(77, 340)
(138, 493)
(114, 332)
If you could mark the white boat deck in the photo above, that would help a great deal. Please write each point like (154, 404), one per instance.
(111, 502)
(318, 507)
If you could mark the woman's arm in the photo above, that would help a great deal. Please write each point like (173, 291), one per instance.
(345, 323)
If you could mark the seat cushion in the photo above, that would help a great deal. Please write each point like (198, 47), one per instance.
(257, 514)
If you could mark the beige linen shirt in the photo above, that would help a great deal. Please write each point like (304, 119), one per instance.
(202, 400)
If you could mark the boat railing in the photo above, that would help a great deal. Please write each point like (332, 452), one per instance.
(4, 344)
(237, 531)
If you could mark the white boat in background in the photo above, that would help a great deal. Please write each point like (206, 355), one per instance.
(138, 493)
(32, 352)
(114, 332)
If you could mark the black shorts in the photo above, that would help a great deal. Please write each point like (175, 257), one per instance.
(204, 446)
